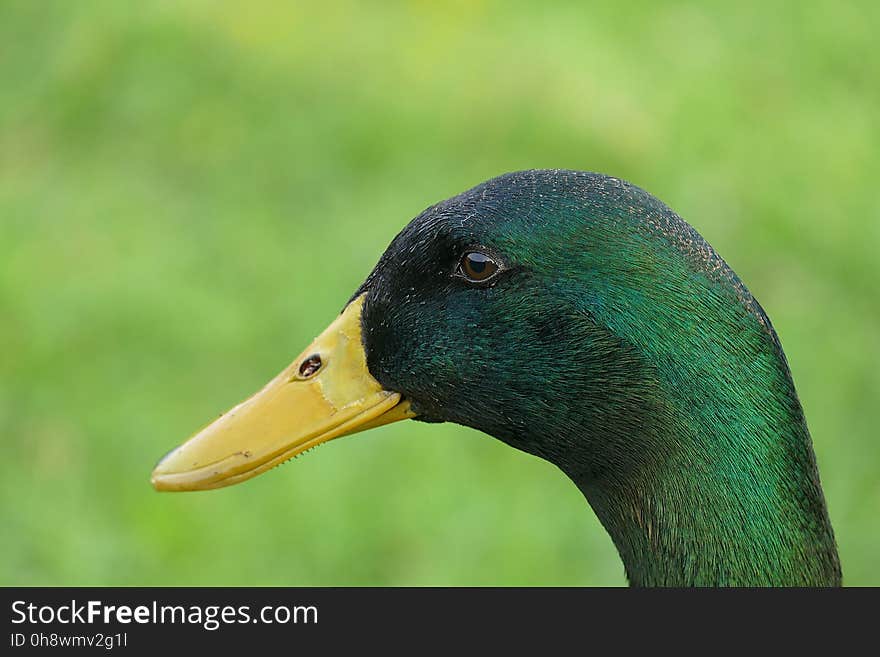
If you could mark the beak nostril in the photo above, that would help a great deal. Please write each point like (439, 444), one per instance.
(310, 366)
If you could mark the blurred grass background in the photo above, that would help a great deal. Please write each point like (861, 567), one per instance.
(190, 191)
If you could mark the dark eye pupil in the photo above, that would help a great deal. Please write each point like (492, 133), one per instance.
(478, 266)
(478, 262)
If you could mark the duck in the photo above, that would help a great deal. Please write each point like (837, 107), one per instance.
(575, 317)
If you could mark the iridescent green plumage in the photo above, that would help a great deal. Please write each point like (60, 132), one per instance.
(618, 345)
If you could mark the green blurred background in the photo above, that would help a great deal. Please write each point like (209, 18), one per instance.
(189, 192)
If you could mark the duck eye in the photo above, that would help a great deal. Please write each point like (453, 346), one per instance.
(477, 267)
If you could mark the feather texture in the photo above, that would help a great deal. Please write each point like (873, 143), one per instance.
(617, 344)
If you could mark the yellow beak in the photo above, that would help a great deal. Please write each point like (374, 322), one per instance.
(326, 393)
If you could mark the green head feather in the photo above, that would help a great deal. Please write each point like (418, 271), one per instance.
(615, 343)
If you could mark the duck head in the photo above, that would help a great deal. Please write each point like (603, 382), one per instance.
(575, 317)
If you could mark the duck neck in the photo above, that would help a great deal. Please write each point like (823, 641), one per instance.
(738, 504)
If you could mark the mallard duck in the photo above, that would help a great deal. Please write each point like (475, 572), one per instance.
(575, 317)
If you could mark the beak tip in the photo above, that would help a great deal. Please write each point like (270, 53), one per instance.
(158, 482)
(162, 477)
